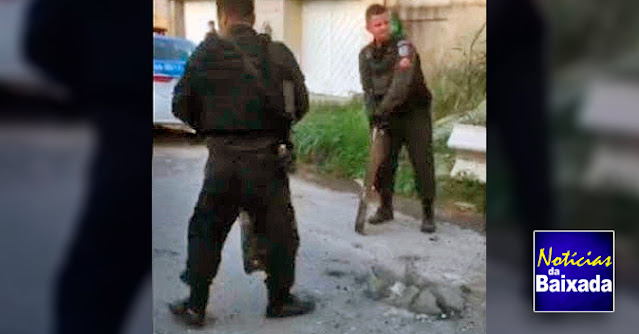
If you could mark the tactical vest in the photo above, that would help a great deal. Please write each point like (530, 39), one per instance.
(243, 91)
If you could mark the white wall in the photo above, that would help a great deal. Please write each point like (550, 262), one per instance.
(441, 33)
(333, 34)
(196, 19)
(271, 11)
(197, 14)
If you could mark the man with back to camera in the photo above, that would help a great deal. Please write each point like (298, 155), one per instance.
(398, 100)
(245, 169)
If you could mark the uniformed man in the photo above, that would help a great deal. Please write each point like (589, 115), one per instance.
(245, 170)
(212, 30)
(397, 99)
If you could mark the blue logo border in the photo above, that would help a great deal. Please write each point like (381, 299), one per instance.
(614, 271)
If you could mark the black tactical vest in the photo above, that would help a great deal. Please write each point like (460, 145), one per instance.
(240, 89)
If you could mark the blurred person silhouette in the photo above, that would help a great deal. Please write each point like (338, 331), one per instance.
(266, 29)
(82, 46)
(519, 127)
(212, 30)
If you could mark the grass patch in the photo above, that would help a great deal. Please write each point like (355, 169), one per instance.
(451, 190)
(461, 87)
(334, 138)
(457, 90)
(448, 190)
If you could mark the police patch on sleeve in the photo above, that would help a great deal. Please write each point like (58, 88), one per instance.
(405, 48)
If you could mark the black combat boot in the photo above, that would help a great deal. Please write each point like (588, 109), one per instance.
(188, 314)
(428, 220)
(289, 306)
(384, 213)
(381, 216)
(192, 310)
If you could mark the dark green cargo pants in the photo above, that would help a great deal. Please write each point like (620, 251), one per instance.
(413, 129)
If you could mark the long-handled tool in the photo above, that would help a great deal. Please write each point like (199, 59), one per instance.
(379, 153)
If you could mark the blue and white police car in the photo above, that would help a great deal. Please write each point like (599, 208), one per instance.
(169, 59)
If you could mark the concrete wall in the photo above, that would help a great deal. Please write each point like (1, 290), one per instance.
(326, 35)
(334, 31)
(293, 36)
(437, 31)
(197, 15)
(179, 24)
(283, 16)
(271, 12)
(333, 34)
(161, 14)
(432, 3)
(169, 14)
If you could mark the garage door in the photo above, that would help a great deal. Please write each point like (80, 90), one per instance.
(333, 34)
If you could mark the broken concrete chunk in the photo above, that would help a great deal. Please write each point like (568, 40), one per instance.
(377, 287)
(398, 288)
(384, 273)
(412, 276)
(450, 298)
(407, 297)
(425, 303)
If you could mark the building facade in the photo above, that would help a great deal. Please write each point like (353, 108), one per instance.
(168, 16)
(327, 35)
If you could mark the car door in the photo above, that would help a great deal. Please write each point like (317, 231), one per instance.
(169, 59)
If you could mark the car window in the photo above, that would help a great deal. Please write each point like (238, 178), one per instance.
(184, 49)
(166, 49)
(162, 49)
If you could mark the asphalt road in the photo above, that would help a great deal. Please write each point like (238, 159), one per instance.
(332, 264)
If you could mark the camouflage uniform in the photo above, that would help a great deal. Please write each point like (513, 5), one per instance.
(397, 98)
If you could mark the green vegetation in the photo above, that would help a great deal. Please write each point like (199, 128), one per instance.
(334, 138)
(462, 87)
(455, 92)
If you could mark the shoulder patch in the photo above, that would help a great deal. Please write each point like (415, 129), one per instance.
(404, 48)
